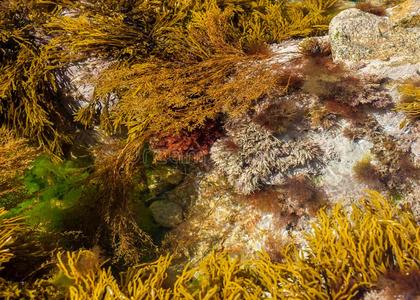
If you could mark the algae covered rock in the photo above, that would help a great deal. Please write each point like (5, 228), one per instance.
(183, 194)
(167, 213)
(358, 36)
(407, 14)
(162, 178)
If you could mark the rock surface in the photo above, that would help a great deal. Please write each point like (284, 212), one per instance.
(386, 47)
(337, 176)
(407, 14)
(359, 36)
(163, 178)
(167, 213)
(219, 220)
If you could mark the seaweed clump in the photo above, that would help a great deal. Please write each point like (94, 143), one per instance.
(410, 100)
(33, 84)
(279, 116)
(187, 50)
(171, 68)
(302, 196)
(346, 254)
(366, 172)
(314, 47)
(15, 156)
(187, 146)
(371, 8)
(9, 227)
(252, 157)
(177, 46)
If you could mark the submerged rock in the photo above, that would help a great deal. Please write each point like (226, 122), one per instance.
(337, 177)
(163, 178)
(167, 213)
(183, 194)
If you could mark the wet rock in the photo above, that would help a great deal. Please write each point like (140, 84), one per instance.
(163, 178)
(337, 176)
(391, 121)
(218, 220)
(357, 36)
(183, 194)
(384, 47)
(167, 213)
(80, 75)
(394, 69)
(415, 148)
(284, 52)
(412, 201)
(407, 14)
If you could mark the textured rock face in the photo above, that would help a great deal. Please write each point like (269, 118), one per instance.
(337, 177)
(222, 219)
(359, 36)
(407, 14)
(166, 213)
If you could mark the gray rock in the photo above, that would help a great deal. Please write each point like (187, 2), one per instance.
(415, 148)
(167, 213)
(357, 36)
(394, 69)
